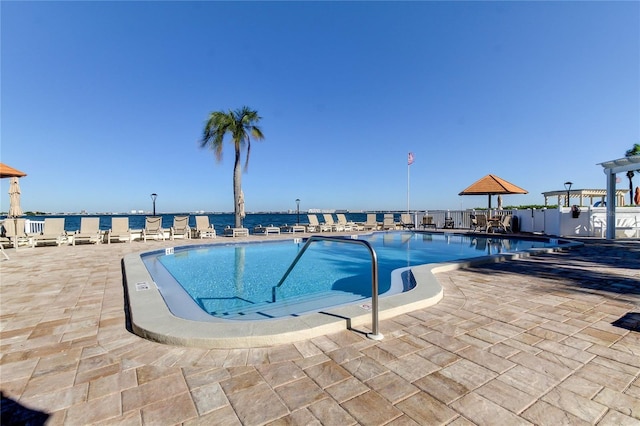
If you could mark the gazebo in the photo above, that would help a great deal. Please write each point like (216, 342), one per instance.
(582, 194)
(612, 167)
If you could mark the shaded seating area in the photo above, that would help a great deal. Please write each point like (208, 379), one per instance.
(180, 228)
(153, 228)
(89, 231)
(204, 229)
(52, 232)
(236, 232)
(119, 229)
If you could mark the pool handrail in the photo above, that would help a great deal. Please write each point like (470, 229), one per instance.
(375, 334)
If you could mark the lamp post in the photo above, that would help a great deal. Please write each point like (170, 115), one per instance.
(153, 198)
(298, 210)
(567, 186)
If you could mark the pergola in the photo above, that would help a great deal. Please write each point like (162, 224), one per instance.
(582, 194)
(611, 168)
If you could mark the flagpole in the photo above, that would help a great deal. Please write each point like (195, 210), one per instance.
(409, 163)
(408, 175)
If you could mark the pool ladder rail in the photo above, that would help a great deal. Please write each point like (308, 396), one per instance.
(375, 333)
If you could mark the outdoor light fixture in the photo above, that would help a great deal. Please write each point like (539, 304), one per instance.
(153, 198)
(567, 186)
(298, 210)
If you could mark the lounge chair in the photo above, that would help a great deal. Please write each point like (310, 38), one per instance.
(180, 228)
(89, 231)
(315, 226)
(328, 220)
(265, 230)
(372, 222)
(427, 222)
(3, 241)
(52, 232)
(153, 228)
(348, 226)
(505, 224)
(119, 229)
(406, 221)
(15, 233)
(292, 229)
(473, 222)
(203, 228)
(388, 222)
(236, 232)
(481, 223)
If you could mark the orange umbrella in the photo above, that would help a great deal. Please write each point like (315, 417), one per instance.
(491, 185)
(8, 171)
(636, 198)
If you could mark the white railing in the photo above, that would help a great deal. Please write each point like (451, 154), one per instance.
(33, 226)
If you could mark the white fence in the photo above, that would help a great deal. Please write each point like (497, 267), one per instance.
(591, 222)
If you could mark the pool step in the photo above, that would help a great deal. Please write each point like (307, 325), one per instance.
(290, 307)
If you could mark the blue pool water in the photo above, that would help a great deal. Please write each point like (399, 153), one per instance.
(236, 281)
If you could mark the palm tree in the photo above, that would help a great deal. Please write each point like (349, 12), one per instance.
(633, 151)
(241, 124)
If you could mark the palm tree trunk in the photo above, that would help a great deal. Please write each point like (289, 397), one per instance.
(237, 188)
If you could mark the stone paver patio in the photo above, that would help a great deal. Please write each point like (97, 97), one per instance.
(552, 339)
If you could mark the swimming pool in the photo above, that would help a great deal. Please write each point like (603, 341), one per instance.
(187, 324)
(241, 281)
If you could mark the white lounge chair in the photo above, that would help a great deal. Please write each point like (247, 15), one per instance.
(348, 226)
(388, 222)
(265, 230)
(15, 233)
(292, 229)
(52, 232)
(315, 226)
(406, 221)
(236, 232)
(153, 228)
(328, 219)
(203, 228)
(372, 222)
(180, 228)
(119, 229)
(89, 231)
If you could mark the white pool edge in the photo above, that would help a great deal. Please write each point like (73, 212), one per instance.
(151, 318)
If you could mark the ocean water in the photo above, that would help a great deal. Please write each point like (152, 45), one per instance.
(218, 220)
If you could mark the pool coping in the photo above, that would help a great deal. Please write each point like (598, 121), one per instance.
(150, 317)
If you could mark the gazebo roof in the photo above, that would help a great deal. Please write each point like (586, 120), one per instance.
(491, 184)
(8, 171)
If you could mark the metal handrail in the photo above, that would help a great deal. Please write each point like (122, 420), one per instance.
(375, 334)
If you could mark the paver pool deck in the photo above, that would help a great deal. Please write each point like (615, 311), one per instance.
(549, 339)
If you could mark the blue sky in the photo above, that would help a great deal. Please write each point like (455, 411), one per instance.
(103, 103)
